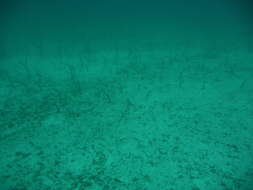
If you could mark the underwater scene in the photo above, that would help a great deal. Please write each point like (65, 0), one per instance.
(126, 95)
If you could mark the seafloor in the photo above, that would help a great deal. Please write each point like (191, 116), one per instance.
(165, 118)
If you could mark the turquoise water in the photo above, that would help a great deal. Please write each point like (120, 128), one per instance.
(126, 95)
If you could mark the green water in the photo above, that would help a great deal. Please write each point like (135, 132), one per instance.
(126, 95)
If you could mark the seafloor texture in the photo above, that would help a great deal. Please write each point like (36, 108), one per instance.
(184, 122)
(144, 96)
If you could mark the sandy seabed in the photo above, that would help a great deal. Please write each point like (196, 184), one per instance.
(168, 120)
